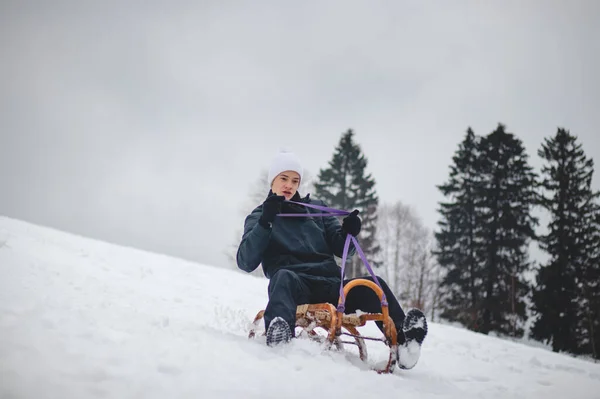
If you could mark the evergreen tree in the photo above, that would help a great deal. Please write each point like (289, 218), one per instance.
(567, 295)
(507, 195)
(457, 241)
(591, 292)
(345, 185)
(484, 233)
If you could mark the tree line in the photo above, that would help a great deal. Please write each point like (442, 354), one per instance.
(475, 267)
(486, 228)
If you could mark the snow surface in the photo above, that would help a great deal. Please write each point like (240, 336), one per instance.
(85, 319)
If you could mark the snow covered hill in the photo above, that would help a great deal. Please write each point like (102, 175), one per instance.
(85, 319)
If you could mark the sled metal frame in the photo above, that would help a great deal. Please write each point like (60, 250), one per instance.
(325, 316)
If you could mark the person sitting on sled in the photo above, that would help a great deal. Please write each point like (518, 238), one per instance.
(297, 256)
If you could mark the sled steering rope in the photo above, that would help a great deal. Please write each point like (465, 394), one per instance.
(332, 319)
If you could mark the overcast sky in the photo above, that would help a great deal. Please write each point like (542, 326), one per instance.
(147, 123)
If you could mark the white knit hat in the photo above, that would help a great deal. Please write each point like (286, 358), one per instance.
(283, 161)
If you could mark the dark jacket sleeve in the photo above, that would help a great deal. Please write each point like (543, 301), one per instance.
(336, 237)
(254, 242)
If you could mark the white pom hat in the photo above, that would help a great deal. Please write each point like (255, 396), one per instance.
(283, 161)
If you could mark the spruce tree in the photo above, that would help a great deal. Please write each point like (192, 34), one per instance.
(346, 185)
(591, 291)
(507, 196)
(567, 294)
(587, 328)
(457, 240)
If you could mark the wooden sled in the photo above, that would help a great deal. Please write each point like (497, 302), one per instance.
(326, 316)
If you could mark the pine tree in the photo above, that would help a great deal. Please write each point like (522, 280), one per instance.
(591, 291)
(567, 295)
(457, 241)
(345, 185)
(485, 231)
(507, 196)
(588, 277)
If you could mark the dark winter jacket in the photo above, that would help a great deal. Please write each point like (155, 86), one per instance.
(302, 244)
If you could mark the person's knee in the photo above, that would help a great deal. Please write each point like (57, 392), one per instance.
(382, 281)
(283, 277)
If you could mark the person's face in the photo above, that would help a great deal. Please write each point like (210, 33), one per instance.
(286, 184)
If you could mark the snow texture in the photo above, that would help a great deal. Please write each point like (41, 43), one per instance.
(86, 319)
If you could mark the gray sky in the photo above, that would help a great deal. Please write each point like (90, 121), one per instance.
(147, 123)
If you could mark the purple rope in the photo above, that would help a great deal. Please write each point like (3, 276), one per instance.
(291, 215)
(329, 211)
(342, 304)
(364, 259)
(338, 212)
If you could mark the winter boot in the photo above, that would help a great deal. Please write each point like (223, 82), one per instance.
(414, 330)
(278, 332)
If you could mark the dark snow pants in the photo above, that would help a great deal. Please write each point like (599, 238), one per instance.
(287, 290)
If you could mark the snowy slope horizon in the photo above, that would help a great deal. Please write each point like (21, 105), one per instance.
(81, 318)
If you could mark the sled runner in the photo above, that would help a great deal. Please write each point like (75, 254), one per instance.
(331, 319)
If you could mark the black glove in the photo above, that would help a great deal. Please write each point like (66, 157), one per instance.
(271, 207)
(351, 223)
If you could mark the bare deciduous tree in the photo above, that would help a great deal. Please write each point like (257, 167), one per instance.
(393, 220)
(409, 266)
